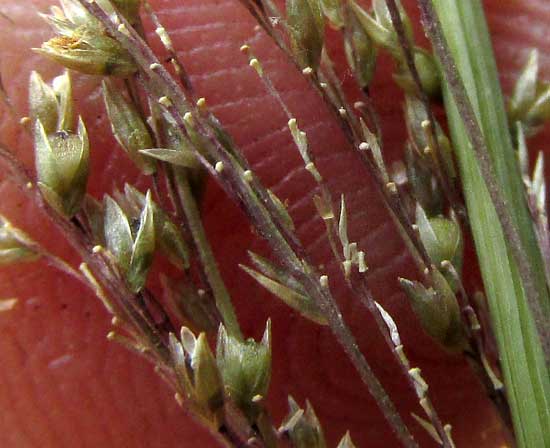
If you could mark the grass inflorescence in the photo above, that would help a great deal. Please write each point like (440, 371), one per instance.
(168, 131)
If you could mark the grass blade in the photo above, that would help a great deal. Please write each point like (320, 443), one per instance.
(525, 372)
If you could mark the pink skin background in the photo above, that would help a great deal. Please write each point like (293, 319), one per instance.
(63, 385)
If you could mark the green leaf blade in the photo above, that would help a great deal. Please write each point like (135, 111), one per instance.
(525, 372)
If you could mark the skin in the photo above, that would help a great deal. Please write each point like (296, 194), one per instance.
(63, 385)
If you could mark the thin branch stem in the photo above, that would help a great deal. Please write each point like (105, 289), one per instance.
(208, 261)
(167, 42)
(57, 262)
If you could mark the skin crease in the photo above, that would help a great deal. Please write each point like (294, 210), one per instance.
(63, 385)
